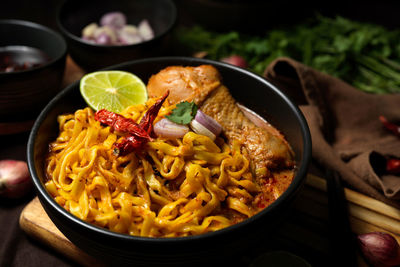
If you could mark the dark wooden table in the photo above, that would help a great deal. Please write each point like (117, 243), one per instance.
(305, 231)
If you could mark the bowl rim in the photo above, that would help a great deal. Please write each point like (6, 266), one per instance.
(30, 24)
(285, 197)
(90, 44)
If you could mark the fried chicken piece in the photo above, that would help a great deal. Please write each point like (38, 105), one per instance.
(266, 148)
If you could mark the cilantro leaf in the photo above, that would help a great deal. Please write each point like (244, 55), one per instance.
(184, 113)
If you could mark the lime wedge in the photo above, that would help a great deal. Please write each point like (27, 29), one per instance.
(112, 90)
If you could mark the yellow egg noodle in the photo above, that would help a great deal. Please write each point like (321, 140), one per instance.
(188, 186)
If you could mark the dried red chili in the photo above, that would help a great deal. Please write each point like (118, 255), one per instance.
(393, 166)
(146, 122)
(119, 123)
(129, 144)
(138, 134)
(392, 127)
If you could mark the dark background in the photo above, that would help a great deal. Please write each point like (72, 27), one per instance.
(16, 249)
(233, 14)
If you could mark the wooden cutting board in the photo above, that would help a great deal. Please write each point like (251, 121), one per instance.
(35, 222)
(306, 226)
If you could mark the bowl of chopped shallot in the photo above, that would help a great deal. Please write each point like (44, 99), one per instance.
(103, 33)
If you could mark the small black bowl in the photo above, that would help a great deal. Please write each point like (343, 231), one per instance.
(74, 15)
(250, 90)
(23, 94)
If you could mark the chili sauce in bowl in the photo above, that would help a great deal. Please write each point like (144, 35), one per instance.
(19, 58)
(32, 63)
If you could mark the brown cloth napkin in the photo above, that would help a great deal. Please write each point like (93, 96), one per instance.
(346, 133)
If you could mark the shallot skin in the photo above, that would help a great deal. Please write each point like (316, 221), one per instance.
(113, 19)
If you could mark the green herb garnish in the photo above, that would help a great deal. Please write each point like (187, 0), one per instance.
(184, 113)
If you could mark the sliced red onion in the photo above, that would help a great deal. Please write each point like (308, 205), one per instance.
(89, 39)
(128, 39)
(105, 35)
(208, 122)
(197, 127)
(131, 29)
(113, 19)
(168, 129)
(89, 30)
(103, 39)
(129, 34)
(145, 30)
(114, 30)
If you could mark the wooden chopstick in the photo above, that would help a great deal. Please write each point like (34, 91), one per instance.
(342, 237)
(375, 218)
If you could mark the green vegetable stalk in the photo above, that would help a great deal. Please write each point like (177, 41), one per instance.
(365, 55)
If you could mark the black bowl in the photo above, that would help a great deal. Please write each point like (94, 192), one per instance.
(250, 90)
(23, 94)
(73, 16)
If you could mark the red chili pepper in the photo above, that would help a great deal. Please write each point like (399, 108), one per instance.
(119, 123)
(138, 134)
(393, 166)
(146, 122)
(129, 144)
(392, 127)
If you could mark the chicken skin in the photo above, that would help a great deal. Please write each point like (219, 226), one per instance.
(266, 147)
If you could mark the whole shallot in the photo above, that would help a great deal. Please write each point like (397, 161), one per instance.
(15, 180)
(236, 60)
(380, 249)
